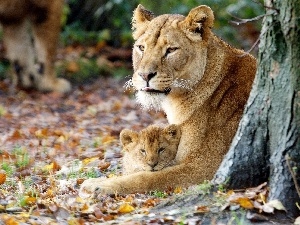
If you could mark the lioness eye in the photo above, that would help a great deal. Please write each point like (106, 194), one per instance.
(170, 50)
(160, 150)
(141, 48)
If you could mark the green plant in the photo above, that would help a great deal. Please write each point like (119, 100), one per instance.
(97, 142)
(22, 157)
(8, 168)
(159, 194)
(239, 219)
(92, 173)
(205, 187)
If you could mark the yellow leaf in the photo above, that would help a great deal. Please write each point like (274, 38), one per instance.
(60, 139)
(126, 208)
(88, 160)
(30, 200)
(178, 190)
(73, 221)
(51, 167)
(245, 203)
(230, 192)
(108, 139)
(111, 175)
(79, 200)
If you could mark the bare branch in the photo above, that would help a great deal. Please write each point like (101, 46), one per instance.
(288, 159)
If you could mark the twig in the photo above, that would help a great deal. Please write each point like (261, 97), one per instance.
(242, 21)
(288, 159)
(254, 45)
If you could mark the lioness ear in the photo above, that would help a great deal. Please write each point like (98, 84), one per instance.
(172, 131)
(141, 17)
(198, 23)
(127, 136)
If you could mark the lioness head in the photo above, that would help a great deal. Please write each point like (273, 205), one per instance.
(151, 149)
(169, 54)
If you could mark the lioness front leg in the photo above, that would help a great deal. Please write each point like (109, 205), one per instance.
(19, 50)
(46, 35)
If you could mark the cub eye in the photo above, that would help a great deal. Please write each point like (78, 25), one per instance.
(160, 150)
(143, 151)
(170, 50)
(141, 47)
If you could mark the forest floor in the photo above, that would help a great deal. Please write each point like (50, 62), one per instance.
(50, 143)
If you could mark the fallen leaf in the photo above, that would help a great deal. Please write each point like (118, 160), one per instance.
(178, 190)
(297, 221)
(88, 160)
(73, 67)
(245, 203)
(2, 177)
(267, 208)
(202, 209)
(126, 208)
(276, 204)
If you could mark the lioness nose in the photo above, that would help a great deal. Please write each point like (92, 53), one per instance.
(147, 76)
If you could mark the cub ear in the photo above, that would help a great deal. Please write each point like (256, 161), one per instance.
(198, 23)
(172, 131)
(128, 136)
(141, 18)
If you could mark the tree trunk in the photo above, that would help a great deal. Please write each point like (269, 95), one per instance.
(267, 144)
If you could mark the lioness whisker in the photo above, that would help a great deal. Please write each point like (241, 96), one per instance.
(182, 83)
(128, 84)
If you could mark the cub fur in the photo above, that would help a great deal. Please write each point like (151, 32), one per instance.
(30, 34)
(199, 81)
(153, 148)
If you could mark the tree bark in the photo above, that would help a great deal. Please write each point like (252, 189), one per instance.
(267, 144)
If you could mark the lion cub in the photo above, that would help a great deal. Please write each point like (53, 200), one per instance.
(153, 148)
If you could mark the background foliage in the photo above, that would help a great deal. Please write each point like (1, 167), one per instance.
(112, 18)
(105, 26)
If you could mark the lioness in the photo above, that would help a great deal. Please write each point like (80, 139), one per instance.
(199, 81)
(31, 31)
(153, 148)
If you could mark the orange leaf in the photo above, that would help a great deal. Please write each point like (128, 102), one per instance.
(2, 178)
(73, 67)
(11, 221)
(126, 208)
(30, 200)
(108, 139)
(245, 203)
(41, 133)
(15, 136)
(202, 209)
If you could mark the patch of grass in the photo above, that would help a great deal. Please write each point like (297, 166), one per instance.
(205, 187)
(22, 157)
(97, 142)
(159, 194)
(8, 168)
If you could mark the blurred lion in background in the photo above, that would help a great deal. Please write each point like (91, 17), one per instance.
(30, 34)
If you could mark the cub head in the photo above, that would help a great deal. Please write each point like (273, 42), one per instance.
(169, 53)
(153, 148)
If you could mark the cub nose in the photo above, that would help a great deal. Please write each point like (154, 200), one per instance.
(152, 164)
(147, 76)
